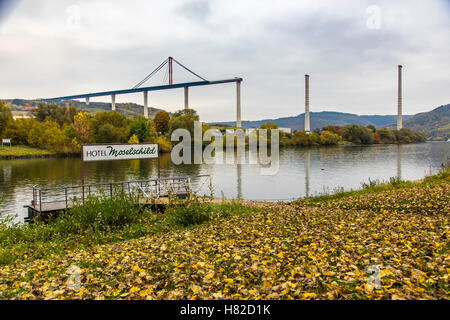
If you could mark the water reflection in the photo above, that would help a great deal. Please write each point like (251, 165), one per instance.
(302, 172)
(307, 159)
(399, 161)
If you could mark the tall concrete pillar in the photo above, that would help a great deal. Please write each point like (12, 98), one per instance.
(146, 104)
(307, 124)
(399, 109)
(113, 102)
(87, 101)
(238, 104)
(186, 97)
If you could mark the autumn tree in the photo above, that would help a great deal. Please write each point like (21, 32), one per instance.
(161, 121)
(5, 117)
(59, 114)
(83, 129)
(269, 125)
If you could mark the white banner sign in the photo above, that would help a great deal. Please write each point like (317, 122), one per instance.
(6, 140)
(102, 152)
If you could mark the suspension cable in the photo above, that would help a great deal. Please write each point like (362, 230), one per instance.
(151, 74)
(189, 70)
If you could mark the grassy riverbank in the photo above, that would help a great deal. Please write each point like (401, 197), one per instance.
(316, 248)
(22, 151)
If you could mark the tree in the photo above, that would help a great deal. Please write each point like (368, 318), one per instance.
(186, 112)
(134, 139)
(161, 120)
(61, 115)
(5, 117)
(18, 131)
(386, 136)
(119, 121)
(335, 129)
(328, 138)
(372, 128)
(142, 128)
(357, 134)
(83, 128)
(269, 125)
(107, 133)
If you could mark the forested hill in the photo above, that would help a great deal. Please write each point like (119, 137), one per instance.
(325, 118)
(435, 123)
(129, 109)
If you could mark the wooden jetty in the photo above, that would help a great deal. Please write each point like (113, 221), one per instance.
(156, 192)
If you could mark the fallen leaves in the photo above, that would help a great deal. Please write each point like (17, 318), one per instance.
(283, 251)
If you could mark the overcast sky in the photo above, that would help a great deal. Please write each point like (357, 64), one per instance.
(351, 50)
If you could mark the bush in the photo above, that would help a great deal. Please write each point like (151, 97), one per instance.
(357, 134)
(192, 213)
(196, 212)
(328, 138)
(99, 213)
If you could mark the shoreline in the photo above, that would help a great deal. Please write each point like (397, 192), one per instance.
(77, 155)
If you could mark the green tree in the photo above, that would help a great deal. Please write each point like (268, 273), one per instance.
(107, 133)
(18, 131)
(161, 121)
(142, 128)
(5, 117)
(357, 134)
(186, 112)
(119, 121)
(183, 119)
(386, 136)
(61, 115)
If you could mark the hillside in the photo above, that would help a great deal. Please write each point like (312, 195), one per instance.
(435, 123)
(129, 109)
(325, 118)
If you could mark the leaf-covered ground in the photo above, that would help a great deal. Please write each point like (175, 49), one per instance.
(282, 251)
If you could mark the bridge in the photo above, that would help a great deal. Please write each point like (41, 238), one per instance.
(137, 88)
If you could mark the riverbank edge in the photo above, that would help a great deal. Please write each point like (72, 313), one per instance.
(78, 155)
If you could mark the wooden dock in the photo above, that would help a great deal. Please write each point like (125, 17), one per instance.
(152, 192)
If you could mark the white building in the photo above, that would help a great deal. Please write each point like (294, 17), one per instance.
(285, 130)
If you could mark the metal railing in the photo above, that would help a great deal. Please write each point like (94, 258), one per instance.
(66, 196)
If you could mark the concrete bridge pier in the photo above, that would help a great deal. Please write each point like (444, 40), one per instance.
(87, 101)
(146, 104)
(186, 97)
(113, 102)
(238, 104)
(399, 102)
(307, 123)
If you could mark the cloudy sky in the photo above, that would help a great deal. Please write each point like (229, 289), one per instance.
(351, 49)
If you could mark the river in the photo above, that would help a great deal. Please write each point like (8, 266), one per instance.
(302, 172)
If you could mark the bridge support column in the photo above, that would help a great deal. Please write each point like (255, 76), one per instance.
(113, 102)
(146, 104)
(238, 104)
(399, 102)
(307, 124)
(186, 97)
(87, 101)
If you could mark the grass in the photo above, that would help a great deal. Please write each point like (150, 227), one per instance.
(6, 150)
(374, 186)
(235, 251)
(101, 220)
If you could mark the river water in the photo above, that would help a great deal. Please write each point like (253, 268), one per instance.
(302, 172)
